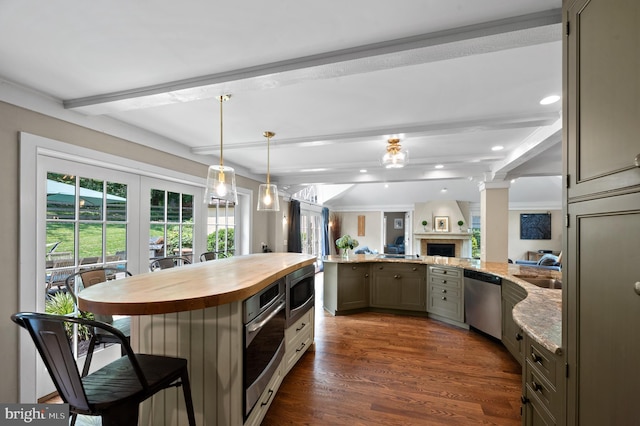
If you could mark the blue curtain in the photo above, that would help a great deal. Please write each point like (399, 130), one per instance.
(294, 238)
(326, 248)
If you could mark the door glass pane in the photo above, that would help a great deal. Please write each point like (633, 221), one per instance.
(91, 199)
(116, 242)
(90, 243)
(173, 207)
(116, 202)
(61, 196)
(156, 241)
(187, 208)
(157, 206)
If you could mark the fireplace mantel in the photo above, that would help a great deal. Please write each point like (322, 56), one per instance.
(442, 236)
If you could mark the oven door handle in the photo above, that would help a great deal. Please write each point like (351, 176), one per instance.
(257, 326)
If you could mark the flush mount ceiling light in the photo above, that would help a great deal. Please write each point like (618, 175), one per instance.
(395, 158)
(268, 193)
(550, 100)
(221, 180)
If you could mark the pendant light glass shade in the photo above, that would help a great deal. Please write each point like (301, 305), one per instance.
(221, 179)
(395, 158)
(268, 200)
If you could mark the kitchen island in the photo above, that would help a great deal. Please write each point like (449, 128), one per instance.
(195, 312)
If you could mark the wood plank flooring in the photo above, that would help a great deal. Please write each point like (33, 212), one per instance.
(384, 369)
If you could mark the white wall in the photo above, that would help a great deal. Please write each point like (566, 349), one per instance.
(518, 248)
(372, 232)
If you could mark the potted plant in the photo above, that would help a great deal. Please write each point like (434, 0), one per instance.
(424, 225)
(460, 223)
(346, 243)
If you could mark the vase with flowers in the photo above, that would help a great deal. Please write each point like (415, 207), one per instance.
(346, 243)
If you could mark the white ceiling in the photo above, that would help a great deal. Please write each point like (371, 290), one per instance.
(334, 80)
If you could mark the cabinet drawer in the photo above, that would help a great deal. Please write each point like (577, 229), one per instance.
(447, 306)
(298, 347)
(444, 290)
(445, 272)
(299, 327)
(542, 360)
(399, 268)
(445, 281)
(538, 385)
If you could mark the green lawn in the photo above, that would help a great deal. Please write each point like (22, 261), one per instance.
(90, 238)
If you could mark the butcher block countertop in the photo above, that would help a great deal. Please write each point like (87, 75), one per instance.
(190, 287)
(539, 314)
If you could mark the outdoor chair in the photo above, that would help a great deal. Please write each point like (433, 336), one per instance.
(115, 391)
(60, 270)
(208, 255)
(84, 279)
(168, 262)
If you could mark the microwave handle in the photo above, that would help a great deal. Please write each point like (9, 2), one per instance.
(257, 326)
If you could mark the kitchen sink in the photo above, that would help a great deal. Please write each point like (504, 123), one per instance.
(398, 256)
(543, 282)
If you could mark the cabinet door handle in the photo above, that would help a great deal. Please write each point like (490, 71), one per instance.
(637, 160)
(353, 267)
(518, 336)
(303, 325)
(536, 358)
(444, 281)
(524, 399)
(366, 275)
(536, 386)
(301, 347)
(444, 290)
(636, 287)
(444, 298)
(414, 269)
(262, 404)
(397, 276)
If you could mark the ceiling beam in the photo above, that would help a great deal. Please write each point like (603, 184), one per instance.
(476, 39)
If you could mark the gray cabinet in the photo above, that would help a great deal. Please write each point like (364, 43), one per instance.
(601, 304)
(399, 286)
(601, 110)
(543, 385)
(512, 335)
(446, 292)
(346, 286)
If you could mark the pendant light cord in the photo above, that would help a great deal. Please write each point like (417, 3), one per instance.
(221, 160)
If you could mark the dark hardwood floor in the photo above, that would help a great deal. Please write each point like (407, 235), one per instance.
(384, 369)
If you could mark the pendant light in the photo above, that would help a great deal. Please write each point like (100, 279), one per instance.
(268, 193)
(395, 158)
(221, 179)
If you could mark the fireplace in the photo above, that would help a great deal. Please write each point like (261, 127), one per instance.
(441, 249)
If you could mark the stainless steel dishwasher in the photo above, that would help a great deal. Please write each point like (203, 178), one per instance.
(483, 302)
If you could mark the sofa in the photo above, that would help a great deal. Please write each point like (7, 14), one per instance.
(397, 247)
(548, 261)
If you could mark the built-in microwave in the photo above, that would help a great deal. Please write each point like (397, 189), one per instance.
(300, 289)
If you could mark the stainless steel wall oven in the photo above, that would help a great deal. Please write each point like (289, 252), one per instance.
(300, 288)
(264, 325)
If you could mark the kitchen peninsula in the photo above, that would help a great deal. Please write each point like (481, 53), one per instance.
(196, 312)
(527, 309)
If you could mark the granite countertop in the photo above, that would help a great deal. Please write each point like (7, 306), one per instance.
(539, 314)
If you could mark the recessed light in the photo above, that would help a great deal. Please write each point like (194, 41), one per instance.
(550, 100)
(497, 148)
(363, 170)
(386, 185)
(443, 190)
(439, 166)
